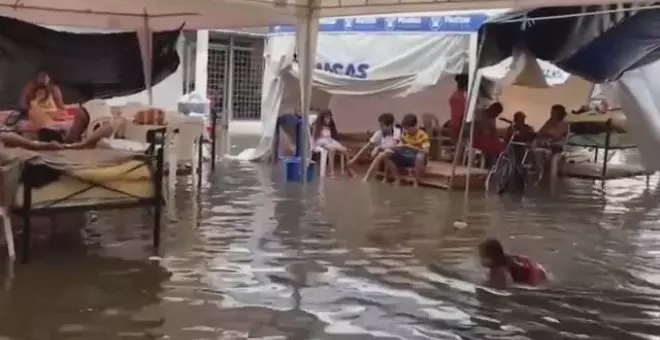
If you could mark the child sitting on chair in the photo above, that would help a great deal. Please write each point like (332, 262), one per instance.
(324, 135)
(411, 153)
(382, 142)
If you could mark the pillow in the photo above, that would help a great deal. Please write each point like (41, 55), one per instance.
(124, 145)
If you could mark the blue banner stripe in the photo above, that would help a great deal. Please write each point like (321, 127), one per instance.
(449, 23)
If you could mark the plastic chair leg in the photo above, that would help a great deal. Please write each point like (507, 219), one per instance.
(342, 164)
(323, 162)
(9, 234)
(172, 167)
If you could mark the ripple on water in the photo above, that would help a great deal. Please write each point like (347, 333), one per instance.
(274, 260)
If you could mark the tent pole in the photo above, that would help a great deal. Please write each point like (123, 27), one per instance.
(201, 62)
(228, 114)
(306, 37)
(146, 51)
(470, 118)
(472, 65)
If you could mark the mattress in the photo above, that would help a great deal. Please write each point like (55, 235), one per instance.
(619, 141)
(617, 118)
(126, 182)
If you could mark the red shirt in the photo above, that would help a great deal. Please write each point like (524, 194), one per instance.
(525, 271)
(457, 104)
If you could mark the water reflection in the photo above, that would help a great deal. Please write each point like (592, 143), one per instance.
(348, 260)
(94, 296)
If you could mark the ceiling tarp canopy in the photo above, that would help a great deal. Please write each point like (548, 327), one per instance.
(614, 44)
(598, 42)
(160, 14)
(337, 8)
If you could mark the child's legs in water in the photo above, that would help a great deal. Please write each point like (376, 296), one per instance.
(420, 166)
(391, 168)
(376, 163)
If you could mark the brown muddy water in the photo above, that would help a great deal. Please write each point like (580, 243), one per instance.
(263, 259)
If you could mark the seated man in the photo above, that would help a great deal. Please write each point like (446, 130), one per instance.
(411, 153)
(553, 133)
(486, 138)
(519, 131)
(382, 142)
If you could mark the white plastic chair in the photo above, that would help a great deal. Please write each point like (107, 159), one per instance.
(477, 156)
(323, 162)
(100, 114)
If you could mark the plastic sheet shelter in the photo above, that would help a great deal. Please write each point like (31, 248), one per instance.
(145, 17)
(85, 66)
(368, 65)
(617, 45)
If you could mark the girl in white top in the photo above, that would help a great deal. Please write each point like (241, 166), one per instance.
(382, 142)
(325, 137)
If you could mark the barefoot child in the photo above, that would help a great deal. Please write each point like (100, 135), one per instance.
(382, 142)
(412, 152)
(324, 135)
(506, 268)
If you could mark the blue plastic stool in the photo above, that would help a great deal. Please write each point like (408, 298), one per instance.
(292, 166)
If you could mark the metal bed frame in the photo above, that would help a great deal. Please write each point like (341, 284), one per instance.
(153, 158)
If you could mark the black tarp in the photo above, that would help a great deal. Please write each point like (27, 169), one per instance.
(598, 42)
(84, 65)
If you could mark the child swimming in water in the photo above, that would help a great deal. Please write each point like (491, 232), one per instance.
(506, 268)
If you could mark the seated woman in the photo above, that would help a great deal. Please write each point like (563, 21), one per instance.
(325, 136)
(553, 133)
(486, 138)
(382, 142)
(44, 103)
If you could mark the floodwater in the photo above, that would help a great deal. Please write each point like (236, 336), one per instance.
(263, 259)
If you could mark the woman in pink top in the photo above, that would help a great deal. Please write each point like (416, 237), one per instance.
(457, 105)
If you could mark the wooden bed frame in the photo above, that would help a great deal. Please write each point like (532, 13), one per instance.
(153, 157)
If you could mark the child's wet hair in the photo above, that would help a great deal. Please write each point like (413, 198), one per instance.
(386, 119)
(409, 120)
(492, 248)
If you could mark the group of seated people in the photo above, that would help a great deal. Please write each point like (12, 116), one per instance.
(486, 137)
(52, 126)
(393, 146)
(550, 137)
(406, 145)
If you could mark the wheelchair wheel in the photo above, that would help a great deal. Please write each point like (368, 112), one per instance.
(533, 172)
(500, 175)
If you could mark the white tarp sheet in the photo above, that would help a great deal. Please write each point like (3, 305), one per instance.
(362, 70)
(638, 92)
(359, 57)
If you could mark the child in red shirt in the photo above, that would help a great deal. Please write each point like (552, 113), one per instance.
(505, 268)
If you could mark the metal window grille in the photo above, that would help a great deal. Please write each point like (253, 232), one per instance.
(247, 68)
(216, 77)
(248, 73)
